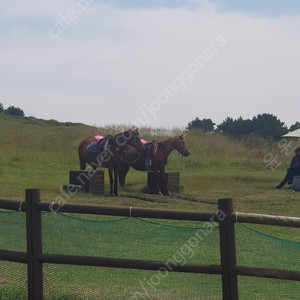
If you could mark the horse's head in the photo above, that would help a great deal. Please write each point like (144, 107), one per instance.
(180, 146)
(136, 141)
(129, 137)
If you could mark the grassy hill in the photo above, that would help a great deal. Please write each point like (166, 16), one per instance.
(39, 154)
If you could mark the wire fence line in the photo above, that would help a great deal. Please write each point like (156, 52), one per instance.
(160, 244)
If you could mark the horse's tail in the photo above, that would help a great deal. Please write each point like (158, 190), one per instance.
(82, 160)
(82, 163)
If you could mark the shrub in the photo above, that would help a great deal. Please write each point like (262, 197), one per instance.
(295, 126)
(14, 111)
(205, 124)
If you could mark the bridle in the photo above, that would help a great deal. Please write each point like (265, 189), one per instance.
(118, 148)
(130, 162)
(135, 141)
(181, 147)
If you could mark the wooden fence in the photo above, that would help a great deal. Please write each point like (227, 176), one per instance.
(228, 269)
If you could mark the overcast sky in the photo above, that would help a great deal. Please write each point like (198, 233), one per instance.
(153, 63)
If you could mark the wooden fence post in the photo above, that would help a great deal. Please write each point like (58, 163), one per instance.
(34, 245)
(228, 251)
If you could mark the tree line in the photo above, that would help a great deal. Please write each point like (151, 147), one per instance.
(264, 125)
(12, 110)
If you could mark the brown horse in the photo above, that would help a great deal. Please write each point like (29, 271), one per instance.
(108, 154)
(159, 161)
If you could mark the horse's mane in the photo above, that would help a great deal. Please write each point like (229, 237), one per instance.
(167, 140)
(122, 133)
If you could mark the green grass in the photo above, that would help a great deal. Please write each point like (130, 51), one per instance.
(13, 293)
(39, 154)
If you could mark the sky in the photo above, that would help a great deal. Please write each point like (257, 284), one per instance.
(158, 63)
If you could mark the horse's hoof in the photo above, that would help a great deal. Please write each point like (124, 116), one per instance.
(167, 194)
(159, 193)
(116, 195)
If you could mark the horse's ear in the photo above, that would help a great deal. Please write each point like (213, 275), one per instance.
(136, 131)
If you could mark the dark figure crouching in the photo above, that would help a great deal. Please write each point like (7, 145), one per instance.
(292, 171)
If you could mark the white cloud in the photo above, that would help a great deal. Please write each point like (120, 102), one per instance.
(108, 63)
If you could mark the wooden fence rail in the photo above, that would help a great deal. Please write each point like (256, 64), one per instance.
(34, 258)
(265, 219)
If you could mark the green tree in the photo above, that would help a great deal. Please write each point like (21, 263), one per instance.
(263, 125)
(14, 111)
(204, 124)
(1, 108)
(237, 128)
(268, 126)
(295, 126)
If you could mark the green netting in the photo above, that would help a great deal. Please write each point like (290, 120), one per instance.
(257, 249)
(163, 240)
(13, 230)
(131, 238)
(13, 276)
(251, 288)
(13, 280)
(82, 283)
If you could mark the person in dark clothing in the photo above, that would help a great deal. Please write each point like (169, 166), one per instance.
(292, 171)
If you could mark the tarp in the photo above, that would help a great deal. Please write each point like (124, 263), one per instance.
(295, 134)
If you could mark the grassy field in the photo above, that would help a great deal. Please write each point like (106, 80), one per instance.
(35, 154)
(39, 154)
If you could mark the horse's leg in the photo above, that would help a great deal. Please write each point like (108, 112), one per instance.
(156, 182)
(116, 174)
(127, 167)
(122, 174)
(124, 168)
(110, 173)
(163, 181)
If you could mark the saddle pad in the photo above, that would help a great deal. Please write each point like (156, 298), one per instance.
(101, 145)
(92, 147)
(98, 138)
(144, 142)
